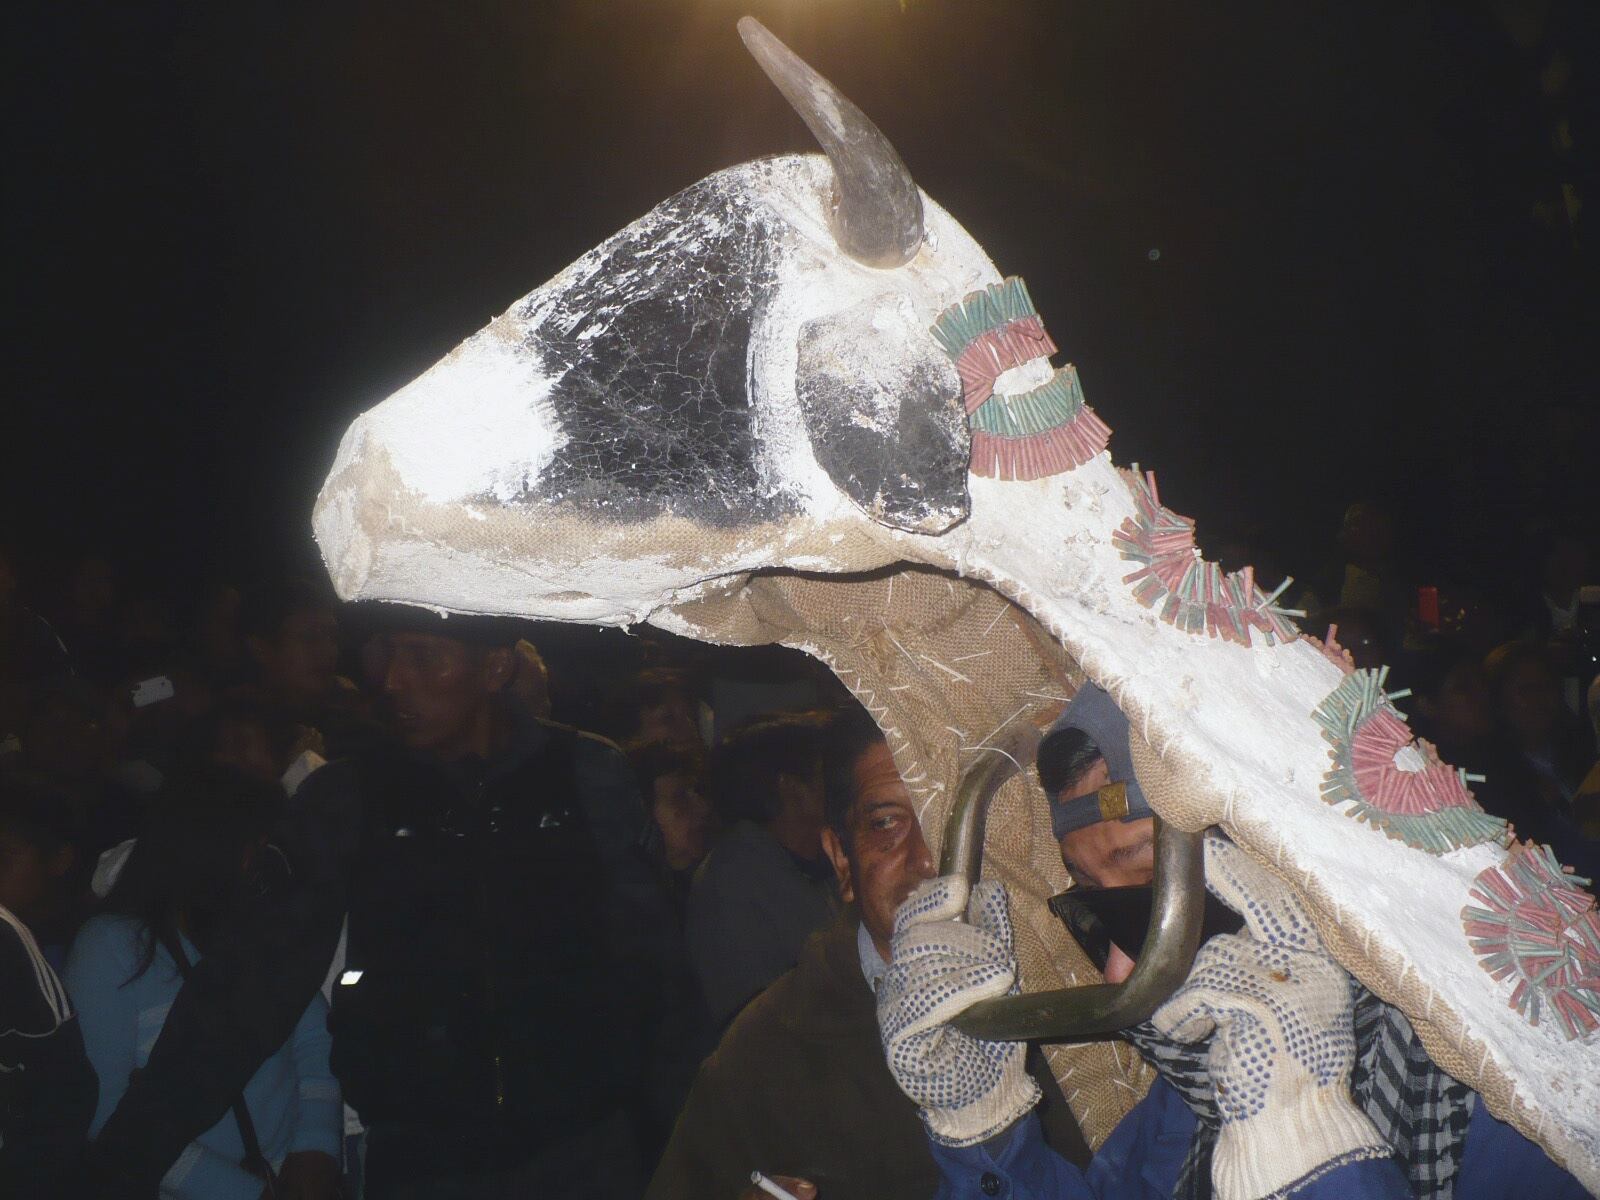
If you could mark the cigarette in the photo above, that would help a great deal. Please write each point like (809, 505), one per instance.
(770, 1188)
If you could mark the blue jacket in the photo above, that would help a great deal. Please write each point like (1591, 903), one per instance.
(293, 1098)
(1142, 1157)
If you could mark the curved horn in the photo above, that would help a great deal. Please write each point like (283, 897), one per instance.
(877, 210)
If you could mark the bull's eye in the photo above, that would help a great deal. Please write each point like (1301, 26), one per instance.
(1027, 435)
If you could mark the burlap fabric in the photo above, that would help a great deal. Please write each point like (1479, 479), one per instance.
(947, 666)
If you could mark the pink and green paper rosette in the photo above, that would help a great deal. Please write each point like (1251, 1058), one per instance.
(1414, 798)
(1533, 924)
(1183, 588)
(1029, 435)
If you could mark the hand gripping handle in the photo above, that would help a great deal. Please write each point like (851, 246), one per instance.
(1093, 1010)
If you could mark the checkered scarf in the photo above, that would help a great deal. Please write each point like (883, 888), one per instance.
(1419, 1110)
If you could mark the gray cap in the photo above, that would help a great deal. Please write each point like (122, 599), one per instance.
(1094, 712)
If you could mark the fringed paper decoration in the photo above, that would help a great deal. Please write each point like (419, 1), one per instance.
(989, 333)
(1331, 650)
(1424, 803)
(1043, 432)
(1187, 591)
(1535, 925)
(1031, 435)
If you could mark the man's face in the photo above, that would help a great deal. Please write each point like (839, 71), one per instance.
(1530, 701)
(1108, 853)
(887, 858)
(670, 720)
(1463, 708)
(439, 689)
(300, 662)
(684, 817)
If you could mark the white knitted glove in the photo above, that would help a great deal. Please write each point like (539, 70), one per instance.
(968, 1090)
(1282, 1014)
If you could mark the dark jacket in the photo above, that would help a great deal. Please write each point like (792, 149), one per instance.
(751, 909)
(505, 936)
(799, 1086)
(475, 973)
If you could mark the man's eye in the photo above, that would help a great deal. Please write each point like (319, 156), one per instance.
(885, 821)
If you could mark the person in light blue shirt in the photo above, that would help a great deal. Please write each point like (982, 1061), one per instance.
(205, 848)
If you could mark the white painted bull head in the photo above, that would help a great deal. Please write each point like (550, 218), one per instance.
(800, 370)
(754, 351)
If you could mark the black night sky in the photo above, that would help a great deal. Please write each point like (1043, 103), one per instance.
(1301, 254)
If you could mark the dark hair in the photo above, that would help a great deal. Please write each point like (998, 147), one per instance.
(1065, 756)
(742, 777)
(38, 812)
(189, 860)
(849, 734)
(1505, 660)
(652, 759)
(264, 608)
(1426, 668)
(477, 631)
(654, 685)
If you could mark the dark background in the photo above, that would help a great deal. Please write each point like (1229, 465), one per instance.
(1302, 253)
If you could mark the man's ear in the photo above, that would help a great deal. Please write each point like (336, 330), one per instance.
(499, 665)
(794, 796)
(1080, 877)
(834, 849)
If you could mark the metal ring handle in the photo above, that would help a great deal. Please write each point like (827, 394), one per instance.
(1094, 1010)
(962, 849)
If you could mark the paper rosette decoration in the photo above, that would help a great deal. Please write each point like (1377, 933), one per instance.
(1029, 434)
(1392, 781)
(1535, 926)
(1189, 592)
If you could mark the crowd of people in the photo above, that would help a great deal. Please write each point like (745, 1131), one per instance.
(310, 900)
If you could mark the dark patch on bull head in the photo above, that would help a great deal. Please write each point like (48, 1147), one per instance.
(654, 344)
(883, 409)
(648, 342)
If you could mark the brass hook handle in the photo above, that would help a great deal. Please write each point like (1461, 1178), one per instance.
(1177, 908)
(962, 850)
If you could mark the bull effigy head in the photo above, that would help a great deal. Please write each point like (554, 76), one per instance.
(797, 403)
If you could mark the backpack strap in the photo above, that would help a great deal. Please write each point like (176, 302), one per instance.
(253, 1161)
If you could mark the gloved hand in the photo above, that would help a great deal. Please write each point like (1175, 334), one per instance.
(1280, 1012)
(968, 1090)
